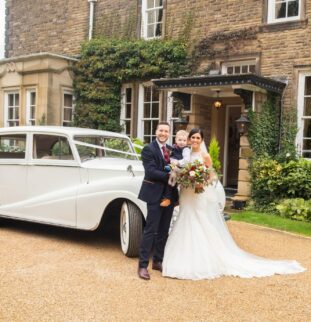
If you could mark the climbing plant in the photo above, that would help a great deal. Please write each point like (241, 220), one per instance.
(107, 63)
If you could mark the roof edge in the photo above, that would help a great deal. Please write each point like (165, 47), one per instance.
(37, 55)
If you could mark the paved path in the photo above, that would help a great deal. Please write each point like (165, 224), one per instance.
(51, 274)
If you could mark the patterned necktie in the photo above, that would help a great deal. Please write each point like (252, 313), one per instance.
(166, 154)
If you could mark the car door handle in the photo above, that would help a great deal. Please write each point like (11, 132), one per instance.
(130, 170)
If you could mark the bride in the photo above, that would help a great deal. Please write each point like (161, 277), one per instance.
(200, 245)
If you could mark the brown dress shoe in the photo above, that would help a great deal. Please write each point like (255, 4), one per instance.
(157, 266)
(143, 273)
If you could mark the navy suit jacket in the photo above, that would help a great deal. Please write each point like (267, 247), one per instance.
(156, 178)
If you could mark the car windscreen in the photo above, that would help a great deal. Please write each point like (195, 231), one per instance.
(92, 147)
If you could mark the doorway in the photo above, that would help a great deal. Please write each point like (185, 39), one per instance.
(232, 146)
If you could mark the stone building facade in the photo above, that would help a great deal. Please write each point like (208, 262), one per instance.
(246, 49)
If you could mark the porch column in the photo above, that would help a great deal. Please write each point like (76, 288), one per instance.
(244, 185)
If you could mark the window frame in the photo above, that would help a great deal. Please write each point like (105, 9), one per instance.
(271, 12)
(234, 63)
(300, 111)
(29, 120)
(6, 108)
(144, 20)
(63, 121)
(141, 118)
(124, 104)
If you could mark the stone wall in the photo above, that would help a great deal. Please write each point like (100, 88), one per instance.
(54, 26)
(116, 18)
(283, 49)
(61, 26)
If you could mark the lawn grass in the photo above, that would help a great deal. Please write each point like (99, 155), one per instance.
(275, 222)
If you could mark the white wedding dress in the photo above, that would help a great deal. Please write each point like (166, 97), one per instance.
(200, 245)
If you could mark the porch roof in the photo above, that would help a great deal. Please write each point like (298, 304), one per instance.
(248, 80)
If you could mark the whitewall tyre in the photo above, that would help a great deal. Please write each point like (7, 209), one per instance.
(131, 228)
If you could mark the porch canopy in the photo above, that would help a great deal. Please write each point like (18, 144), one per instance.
(208, 85)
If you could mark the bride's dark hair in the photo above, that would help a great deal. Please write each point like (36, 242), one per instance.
(194, 131)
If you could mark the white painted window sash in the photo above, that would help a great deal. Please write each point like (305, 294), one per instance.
(65, 121)
(145, 23)
(300, 117)
(271, 12)
(30, 120)
(15, 120)
(141, 119)
(124, 104)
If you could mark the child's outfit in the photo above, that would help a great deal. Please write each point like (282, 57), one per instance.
(182, 155)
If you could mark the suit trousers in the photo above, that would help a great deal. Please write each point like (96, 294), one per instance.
(155, 233)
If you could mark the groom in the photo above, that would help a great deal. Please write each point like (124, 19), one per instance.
(155, 156)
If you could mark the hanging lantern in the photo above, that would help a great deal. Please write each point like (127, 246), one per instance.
(242, 124)
(217, 103)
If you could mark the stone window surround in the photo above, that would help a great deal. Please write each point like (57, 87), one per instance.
(267, 22)
(302, 74)
(220, 63)
(123, 107)
(240, 63)
(141, 27)
(6, 119)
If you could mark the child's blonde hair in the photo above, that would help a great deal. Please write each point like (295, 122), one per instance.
(182, 133)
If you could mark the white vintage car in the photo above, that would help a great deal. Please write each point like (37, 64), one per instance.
(73, 177)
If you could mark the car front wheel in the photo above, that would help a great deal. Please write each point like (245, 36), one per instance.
(131, 228)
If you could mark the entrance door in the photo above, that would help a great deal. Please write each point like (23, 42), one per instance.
(232, 145)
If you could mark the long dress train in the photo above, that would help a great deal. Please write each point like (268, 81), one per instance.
(200, 245)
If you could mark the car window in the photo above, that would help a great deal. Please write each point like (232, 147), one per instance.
(91, 147)
(120, 145)
(53, 147)
(89, 152)
(12, 146)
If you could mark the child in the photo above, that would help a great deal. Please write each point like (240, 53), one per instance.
(180, 155)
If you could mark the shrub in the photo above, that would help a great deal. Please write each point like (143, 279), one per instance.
(214, 153)
(138, 145)
(298, 209)
(272, 181)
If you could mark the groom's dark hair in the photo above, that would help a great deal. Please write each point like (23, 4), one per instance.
(163, 123)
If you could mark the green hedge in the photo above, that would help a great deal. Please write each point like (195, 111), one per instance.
(273, 181)
(298, 209)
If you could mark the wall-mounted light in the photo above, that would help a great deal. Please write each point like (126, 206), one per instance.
(181, 123)
(217, 103)
(242, 124)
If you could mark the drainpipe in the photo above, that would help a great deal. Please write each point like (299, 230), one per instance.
(91, 20)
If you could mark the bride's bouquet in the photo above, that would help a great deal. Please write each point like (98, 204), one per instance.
(194, 175)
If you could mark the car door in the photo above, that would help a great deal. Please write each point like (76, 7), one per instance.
(13, 172)
(53, 180)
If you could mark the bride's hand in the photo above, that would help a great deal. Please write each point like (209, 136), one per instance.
(199, 186)
(207, 160)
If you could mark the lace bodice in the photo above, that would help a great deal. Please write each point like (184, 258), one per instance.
(196, 156)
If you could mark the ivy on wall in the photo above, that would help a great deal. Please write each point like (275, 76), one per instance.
(107, 63)
(273, 132)
(205, 48)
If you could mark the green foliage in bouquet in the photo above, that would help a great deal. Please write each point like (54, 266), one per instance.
(194, 175)
(214, 151)
(298, 209)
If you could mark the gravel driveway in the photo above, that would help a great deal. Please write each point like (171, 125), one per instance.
(52, 274)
